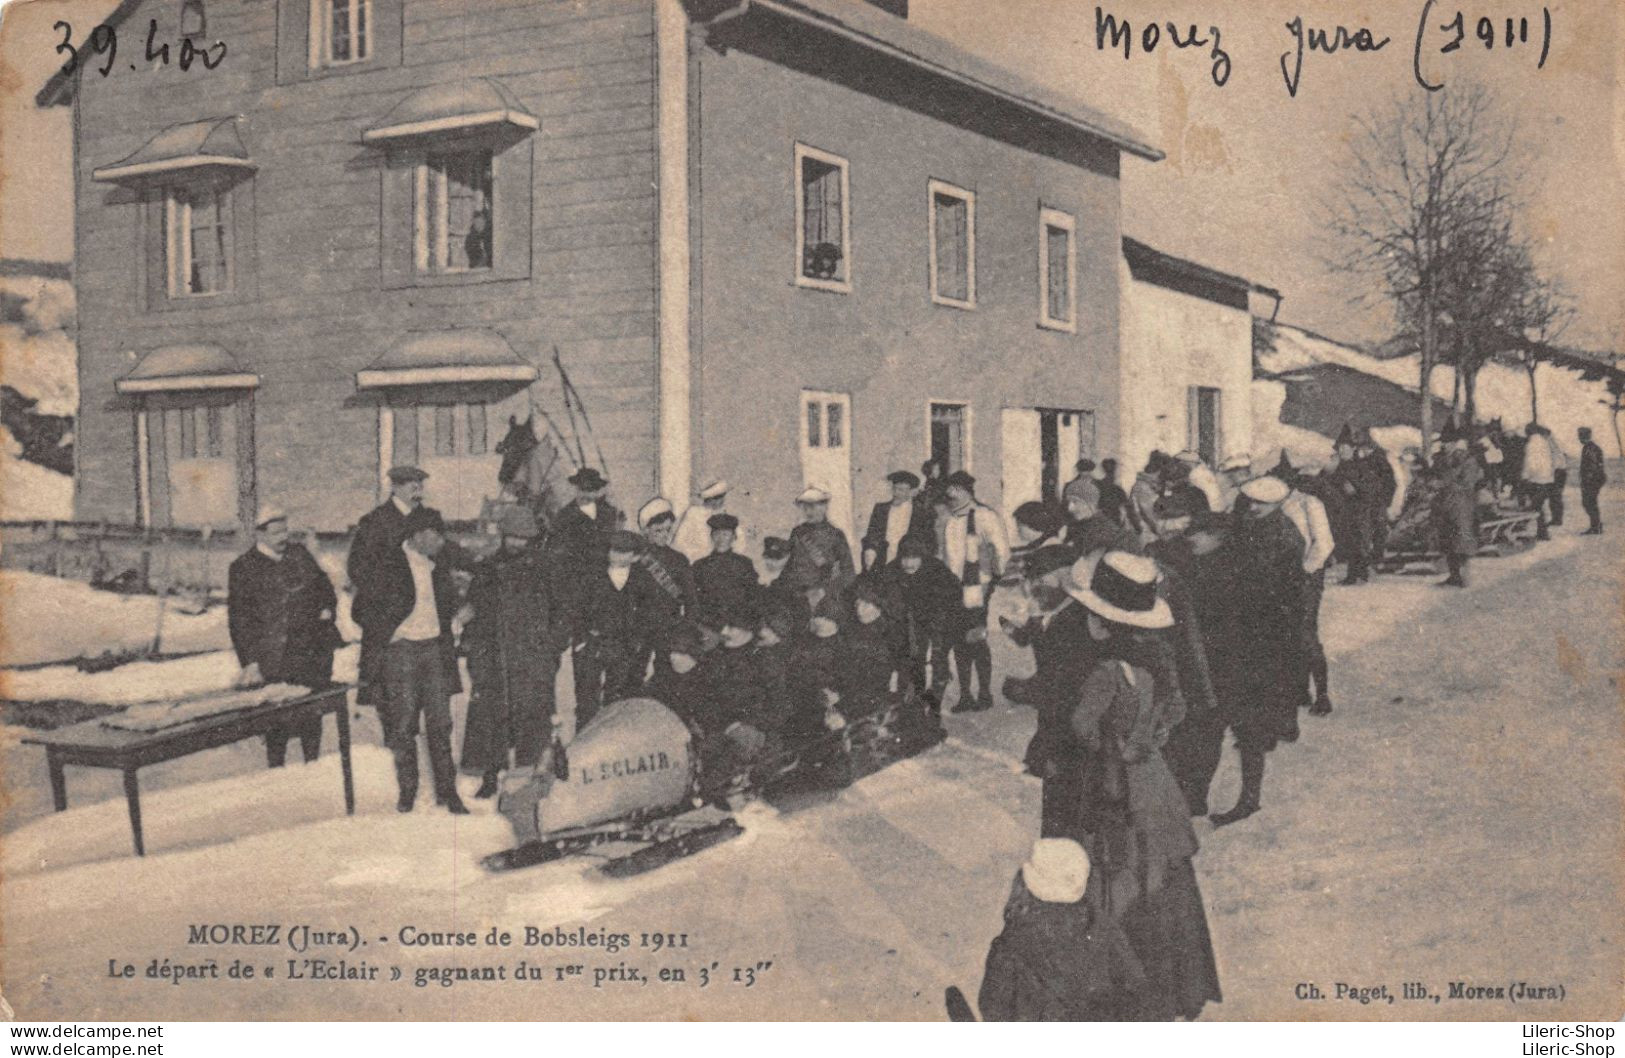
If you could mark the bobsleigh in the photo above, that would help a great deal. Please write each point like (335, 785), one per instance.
(636, 775)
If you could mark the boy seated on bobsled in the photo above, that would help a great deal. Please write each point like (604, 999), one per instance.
(719, 696)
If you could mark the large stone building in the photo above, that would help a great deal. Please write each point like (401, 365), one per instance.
(773, 241)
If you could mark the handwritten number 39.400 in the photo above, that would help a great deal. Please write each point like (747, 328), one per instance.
(103, 40)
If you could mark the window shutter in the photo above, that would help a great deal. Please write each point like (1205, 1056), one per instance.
(398, 203)
(293, 40)
(153, 252)
(158, 464)
(512, 177)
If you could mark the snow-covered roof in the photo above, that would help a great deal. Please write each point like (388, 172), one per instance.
(447, 357)
(478, 102)
(899, 39)
(190, 366)
(191, 145)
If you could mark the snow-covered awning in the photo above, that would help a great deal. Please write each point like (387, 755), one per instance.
(177, 367)
(447, 357)
(460, 106)
(195, 145)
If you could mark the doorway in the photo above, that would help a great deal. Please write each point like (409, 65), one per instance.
(1204, 423)
(826, 452)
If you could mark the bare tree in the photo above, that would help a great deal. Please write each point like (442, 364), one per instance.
(1541, 313)
(1426, 180)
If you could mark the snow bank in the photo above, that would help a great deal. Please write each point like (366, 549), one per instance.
(52, 619)
(41, 366)
(28, 491)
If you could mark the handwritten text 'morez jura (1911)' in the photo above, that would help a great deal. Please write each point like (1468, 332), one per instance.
(1439, 32)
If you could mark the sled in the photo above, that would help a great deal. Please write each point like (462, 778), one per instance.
(1413, 542)
(635, 778)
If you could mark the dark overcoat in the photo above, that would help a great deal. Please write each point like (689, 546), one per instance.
(1455, 505)
(1267, 648)
(513, 643)
(275, 611)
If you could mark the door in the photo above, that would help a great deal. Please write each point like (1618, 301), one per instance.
(1068, 435)
(1204, 420)
(455, 449)
(950, 436)
(1022, 460)
(200, 464)
(826, 453)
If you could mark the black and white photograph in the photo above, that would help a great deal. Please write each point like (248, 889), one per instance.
(813, 511)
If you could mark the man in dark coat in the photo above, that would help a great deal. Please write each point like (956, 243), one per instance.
(407, 606)
(775, 592)
(1204, 571)
(724, 580)
(619, 604)
(1592, 478)
(1267, 648)
(1380, 484)
(279, 608)
(582, 526)
(669, 568)
(1455, 507)
(1360, 490)
(377, 544)
(1113, 502)
(513, 641)
(931, 601)
(906, 514)
(820, 556)
(1090, 531)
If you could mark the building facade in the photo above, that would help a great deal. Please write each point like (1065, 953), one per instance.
(1187, 358)
(779, 242)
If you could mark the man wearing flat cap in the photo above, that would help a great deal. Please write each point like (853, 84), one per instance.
(514, 641)
(667, 566)
(279, 608)
(694, 530)
(724, 579)
(619, 619)
(374, 551)
(820, 557)
(905, 514)
(408, 610)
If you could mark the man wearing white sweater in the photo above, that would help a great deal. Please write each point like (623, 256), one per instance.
(1308, 516)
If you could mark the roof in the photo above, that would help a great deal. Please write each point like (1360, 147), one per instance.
(1176, 273)
(190, 145)
(447, 357)
(472, 103)
(189, 366)
(868, 25)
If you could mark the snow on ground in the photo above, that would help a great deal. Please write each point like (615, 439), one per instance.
(28, 491)
(1411, 835)
(54, 619)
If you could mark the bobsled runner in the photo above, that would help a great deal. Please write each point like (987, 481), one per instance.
(636, 775)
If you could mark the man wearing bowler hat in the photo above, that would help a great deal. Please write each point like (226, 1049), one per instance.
(374, 549)
(904, 515)
(581, 525)
(279, 608)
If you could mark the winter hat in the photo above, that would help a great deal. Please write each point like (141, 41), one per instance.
(904, 477)
(813, 494)
(656, 509)
(1057, 872)
(268, 513)
(1040, 517)
(959, 479)
(722, 521)
(588, 479)
(1120, 587)
(1267, 489)
(715, 490)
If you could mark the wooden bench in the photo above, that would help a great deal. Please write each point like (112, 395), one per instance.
(92, 745)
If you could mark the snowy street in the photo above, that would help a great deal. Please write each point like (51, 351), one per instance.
(1457, 819)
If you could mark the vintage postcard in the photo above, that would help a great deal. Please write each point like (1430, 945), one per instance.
(812, 510)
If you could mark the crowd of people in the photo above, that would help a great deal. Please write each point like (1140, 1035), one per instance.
(1160, 619)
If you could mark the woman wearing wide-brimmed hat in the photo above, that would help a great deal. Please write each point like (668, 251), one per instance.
(1134, 818)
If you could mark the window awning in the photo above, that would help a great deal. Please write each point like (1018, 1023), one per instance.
(195, 145)
(178, 367)
(460, 106)
(447, 357)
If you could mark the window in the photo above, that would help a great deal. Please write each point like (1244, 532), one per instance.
(453, 212)
(200, 431)
(823, 220)
(1203, 423)
(451, 431)
(1057, 271)
(340, 32)
(198, 241)
(953, 245)
(949, 426)
(193, 23)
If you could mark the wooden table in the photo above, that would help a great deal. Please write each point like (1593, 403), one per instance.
(91, 745)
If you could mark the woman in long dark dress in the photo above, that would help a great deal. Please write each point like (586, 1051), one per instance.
(1133, 817)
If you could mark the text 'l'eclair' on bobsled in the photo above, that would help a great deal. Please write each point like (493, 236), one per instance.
(639, 774)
